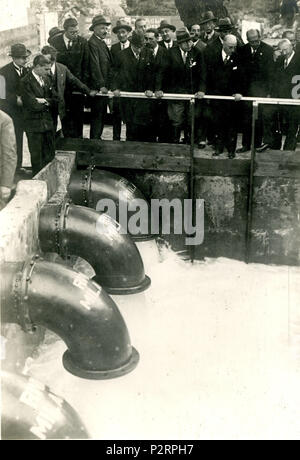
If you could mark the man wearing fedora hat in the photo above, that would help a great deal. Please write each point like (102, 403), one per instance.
(208, 25)
(54, 32)
(122, 29)
(126, 78)
(186, 74)
(167, 30)
(12, 104)
(73, 52)
(101, 71)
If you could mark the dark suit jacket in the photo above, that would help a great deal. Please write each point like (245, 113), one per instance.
(189, 77)
(222, 79)
(210, 40)
(12, 88)
(282, 80)
(101, 64)
(37, 117)
(152, 71)
(257, 71)
(66, 80)
(126, 75)
(76, 59)
(200, 45)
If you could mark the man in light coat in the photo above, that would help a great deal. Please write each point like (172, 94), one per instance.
(8, 157)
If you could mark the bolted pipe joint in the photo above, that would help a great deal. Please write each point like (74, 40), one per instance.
(78, 310)
(68, 229)
(30, 411)
(88, 187)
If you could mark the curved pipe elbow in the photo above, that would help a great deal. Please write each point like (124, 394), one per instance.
(89, 187)
(76, 230)
(78, 310)
(30, 411)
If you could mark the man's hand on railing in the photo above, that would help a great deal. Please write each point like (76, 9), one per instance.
(93, 93)
(116, 93)
(199, 95)
(159, 94)
(103, 90)
(237, 97)
(149, 93)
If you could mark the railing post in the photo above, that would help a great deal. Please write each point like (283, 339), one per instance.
(192, 174)
(251, 182)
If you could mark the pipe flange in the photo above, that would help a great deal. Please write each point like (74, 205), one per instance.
(128, 290)
(63, 243)
(74, 369)
(21, 287)
(86, 186)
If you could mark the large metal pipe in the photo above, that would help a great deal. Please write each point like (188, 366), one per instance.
(30, 411)
(76, 309)
(88, 187)
(68, 229)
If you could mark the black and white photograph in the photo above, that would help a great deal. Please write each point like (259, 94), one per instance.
(150, 222)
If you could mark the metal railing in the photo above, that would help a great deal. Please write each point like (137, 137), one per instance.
(256, 101)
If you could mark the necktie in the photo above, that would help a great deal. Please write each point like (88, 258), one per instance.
(226, 60)
(69, 44)
(285, 63)
(184, 56)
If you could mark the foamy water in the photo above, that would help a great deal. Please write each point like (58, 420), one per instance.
(219, 356)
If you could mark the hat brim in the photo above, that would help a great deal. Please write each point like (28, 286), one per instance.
(126, 27)
(208, 20)
(98, 24)
(167, 26)
(225, 29)
(27, 54)
(184, 40)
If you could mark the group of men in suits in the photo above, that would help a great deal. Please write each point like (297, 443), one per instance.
(208, 58)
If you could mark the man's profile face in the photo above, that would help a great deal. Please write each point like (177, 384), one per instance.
(21, 61)
(286, 49)
(122, 35)
(151, 40)
(141, 26)
(72, 32)
(186, 46)
(101, 30)
(254, 39)
(195, 32)
(166, 34)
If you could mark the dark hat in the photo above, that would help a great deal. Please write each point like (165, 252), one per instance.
(183, 35)
(54, 31)
(99, 19)
(165, 25)
(137, 39)
(70, 22)
(224, 25)
(208, 16)
(19, 50)
(122, 25)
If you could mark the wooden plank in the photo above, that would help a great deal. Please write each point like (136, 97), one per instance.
(221, 167)
(278, 163)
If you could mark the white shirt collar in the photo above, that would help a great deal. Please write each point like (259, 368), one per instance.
(290, 58)
(224, 55)
(38, 78)
(135, 54)
(169, 44)
(67, 40)
(18, 69)
(53, 68)
(125, 45)
(155, 50)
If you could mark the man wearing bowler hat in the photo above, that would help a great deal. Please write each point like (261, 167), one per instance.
(73, 52)
(167, 30)
(101, 70)
(122, 29)
(54, 32)
(12, 104)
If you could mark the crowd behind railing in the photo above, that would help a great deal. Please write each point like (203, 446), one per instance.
(206, 58)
